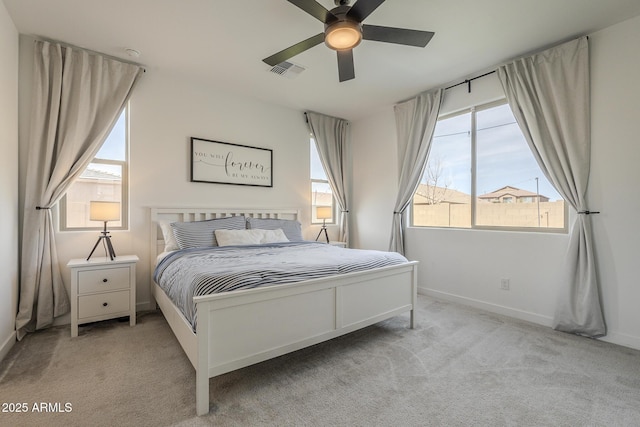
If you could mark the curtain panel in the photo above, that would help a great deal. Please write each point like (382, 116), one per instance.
(549, 96)
(77, 98)
(415, 123)
(330, 135)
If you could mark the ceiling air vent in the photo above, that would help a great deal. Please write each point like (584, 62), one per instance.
(287, 69)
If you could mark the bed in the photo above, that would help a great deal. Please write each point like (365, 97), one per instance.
(261, 318)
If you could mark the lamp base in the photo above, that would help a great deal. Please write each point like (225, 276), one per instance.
(325, 233)
(107, 240)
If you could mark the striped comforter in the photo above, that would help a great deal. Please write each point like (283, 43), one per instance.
(202, 271)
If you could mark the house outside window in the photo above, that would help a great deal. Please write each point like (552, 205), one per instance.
(105, 179)
(481, 174)
(321, 194)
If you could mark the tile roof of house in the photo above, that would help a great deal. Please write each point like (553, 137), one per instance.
(427, 194)
(508, 190)
(320, 198)
(99, 174)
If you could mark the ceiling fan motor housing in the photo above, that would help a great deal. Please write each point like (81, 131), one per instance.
(342, 33)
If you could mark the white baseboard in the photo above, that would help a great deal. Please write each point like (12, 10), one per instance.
(7, 345)
(622, 339)
(494, 308)
(612, 337)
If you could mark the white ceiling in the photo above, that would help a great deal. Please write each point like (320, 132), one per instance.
(221, 43)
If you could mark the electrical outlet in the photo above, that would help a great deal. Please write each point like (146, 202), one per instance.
(504, 284)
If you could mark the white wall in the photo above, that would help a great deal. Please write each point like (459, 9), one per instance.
(615, 175)
(165, 112)
(8, 179)
(374, 181)
(467, 265)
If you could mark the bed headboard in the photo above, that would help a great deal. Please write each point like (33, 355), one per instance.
(202, 214)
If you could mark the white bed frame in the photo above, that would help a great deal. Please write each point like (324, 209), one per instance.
(240, 328)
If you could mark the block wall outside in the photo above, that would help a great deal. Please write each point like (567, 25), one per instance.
(491, 214)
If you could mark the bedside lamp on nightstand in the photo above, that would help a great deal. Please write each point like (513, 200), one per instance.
(324, 213)
(104, 211)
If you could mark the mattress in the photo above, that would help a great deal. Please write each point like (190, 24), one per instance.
(187, 273)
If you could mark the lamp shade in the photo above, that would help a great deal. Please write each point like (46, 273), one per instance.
(324, 212)
(104, 211)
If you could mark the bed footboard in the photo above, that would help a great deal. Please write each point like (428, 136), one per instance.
(277, 320)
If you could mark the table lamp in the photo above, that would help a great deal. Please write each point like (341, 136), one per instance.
(324, 213)
(104, 211)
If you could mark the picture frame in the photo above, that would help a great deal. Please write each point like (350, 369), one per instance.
(226, 163)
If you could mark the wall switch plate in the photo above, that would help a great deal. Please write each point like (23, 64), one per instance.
(504, 284)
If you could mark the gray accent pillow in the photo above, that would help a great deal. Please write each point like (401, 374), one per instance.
(199, 234)
(292, 228)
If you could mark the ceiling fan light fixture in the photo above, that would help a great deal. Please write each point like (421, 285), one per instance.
(343, 35)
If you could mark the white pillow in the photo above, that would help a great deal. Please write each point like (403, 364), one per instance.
(170, 243)
(249, 237)
(292, 228)
(273, 236)
(238, 237)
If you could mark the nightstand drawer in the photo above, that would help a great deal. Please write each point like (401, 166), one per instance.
(103, 304)
(107, 279)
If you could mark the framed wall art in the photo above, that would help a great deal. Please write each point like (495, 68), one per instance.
(226, 163)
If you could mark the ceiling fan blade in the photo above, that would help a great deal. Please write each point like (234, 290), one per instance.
(345, 65)
(363, 8)
(396, 35)
(315, 9)
(292, 51)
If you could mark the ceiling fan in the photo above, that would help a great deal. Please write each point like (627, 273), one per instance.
(344, 30)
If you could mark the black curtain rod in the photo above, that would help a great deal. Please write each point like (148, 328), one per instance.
(468, 81)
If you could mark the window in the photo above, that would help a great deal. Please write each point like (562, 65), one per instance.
(105, 179)
(321, 194)
(481, 174)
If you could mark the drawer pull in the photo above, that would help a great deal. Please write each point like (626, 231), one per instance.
(104, 280)
(104, 304)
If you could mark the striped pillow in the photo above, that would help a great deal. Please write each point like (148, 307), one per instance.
(199, 234)
(292, 229)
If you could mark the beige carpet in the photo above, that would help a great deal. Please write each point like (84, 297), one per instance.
(460, 367)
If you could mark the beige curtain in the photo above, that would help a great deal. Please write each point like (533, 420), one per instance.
(330, 134)
(549, 96)
(77, 98)
(415, 122)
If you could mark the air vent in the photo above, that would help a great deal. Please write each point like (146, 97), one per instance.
(287, 69)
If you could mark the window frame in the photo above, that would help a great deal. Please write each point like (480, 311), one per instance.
(124, 202)
(474, 163)
(334, 220)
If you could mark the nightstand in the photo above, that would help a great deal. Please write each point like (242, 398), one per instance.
(102, 289)
(339, 244)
